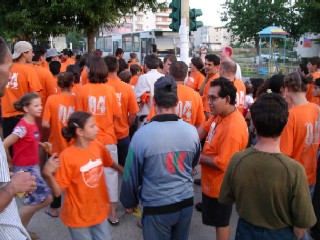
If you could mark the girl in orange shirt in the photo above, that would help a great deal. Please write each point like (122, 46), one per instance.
(195, 78)
(79, 171)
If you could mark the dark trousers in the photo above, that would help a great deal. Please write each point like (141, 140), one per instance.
(123, 147)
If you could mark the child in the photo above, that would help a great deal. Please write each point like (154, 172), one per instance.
(86, 205)
(195, 78)
(133, 60)
(56, 113)
(135, 72)
(75, 70)
(25, 141)
(125, 76)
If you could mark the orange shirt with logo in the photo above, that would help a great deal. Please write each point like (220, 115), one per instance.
(86, 201)
(47, 82)
(128, 103)
(226, 136)
(23, 79)
(206, 107)
(189, 108)
(57, 110)
(195, 80)
(300, 137)
(241, 94)
(101, 100)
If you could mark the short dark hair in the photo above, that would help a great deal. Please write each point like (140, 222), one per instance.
(125, 76)
(296, 82)
(83, 60)
(160, 64)
(76, 120)
(38, 51)
(197, 62)
(170, 57)
(98, 70)
(76, 71)
(54, 67)
(65, 80)
(151, 61)
(179, 70)
(25, 101)
(249, 87)
(165, 92)
(276, 82)
(269, 115)
(112, 63)
(134, 69)
(315, 61)
(304, 68)
(119, 51)
(67, 51)
(227, 88)
(213, 58)
(229, 66)
(3, 50)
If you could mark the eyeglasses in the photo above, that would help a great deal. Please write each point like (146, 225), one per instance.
(212, 98)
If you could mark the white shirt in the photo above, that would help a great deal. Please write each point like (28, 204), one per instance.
(146, 84)
(238, 73)
(10, 222)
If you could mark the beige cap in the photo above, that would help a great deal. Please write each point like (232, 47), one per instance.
(21, 47)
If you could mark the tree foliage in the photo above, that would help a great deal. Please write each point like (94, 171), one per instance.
(246, 18)
(38, 19)
(310, 11)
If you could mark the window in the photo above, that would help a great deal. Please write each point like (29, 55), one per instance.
(136, 43)
(108, 44)
(127, 43)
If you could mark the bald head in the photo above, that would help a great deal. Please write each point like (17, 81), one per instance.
(228, 69)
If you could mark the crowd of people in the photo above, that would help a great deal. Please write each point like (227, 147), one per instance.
(71, 124)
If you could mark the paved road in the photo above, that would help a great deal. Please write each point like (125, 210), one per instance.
(48, 228)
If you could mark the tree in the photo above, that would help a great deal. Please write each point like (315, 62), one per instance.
(246, 18)
(29, 19)
(310, 11)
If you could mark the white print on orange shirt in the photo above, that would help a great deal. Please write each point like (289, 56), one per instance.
(240, 98)
(313, 132)
(97, 107)
(184, 110)
(13, 81)
(190, 80)
(92, 172)
(64, 113)
(119, 98)
(211, 132)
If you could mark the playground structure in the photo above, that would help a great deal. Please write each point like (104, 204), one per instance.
(271, 33)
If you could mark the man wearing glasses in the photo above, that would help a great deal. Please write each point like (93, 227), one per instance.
(227, 133)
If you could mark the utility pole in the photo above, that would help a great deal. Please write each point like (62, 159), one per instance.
(184, 31)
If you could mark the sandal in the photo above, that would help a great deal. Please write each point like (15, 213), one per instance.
(48, 212)
(114, 222)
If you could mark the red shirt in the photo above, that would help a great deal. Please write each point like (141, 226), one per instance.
(25, 150)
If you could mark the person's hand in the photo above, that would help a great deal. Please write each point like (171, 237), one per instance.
(23, 182)
(51, 165)
(47, 146)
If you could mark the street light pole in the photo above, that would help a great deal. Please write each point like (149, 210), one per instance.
(184, 31)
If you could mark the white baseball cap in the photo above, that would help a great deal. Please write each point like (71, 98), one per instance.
(21, 47)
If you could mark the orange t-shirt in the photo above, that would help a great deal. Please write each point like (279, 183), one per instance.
(64, 65)
(226, 136)
(133, 63)
(195, 80)
(86, 201)
(206, 107)
(101, 100)
(84, 78)
(134, 80)
(310, 96)
(128, 103)
(300, 137)
(57, 111)
(45, 65)
(241, 94)
(23, 79)
(76, 88)
(47, 82)
(189, 107)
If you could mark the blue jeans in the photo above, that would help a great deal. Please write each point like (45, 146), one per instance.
(247, 231)
(172, 226)
(96, 232)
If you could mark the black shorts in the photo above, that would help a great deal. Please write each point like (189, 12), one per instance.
(214, 213)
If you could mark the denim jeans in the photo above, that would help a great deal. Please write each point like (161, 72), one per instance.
(172, 226)
(247, 231)
(96, 232)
